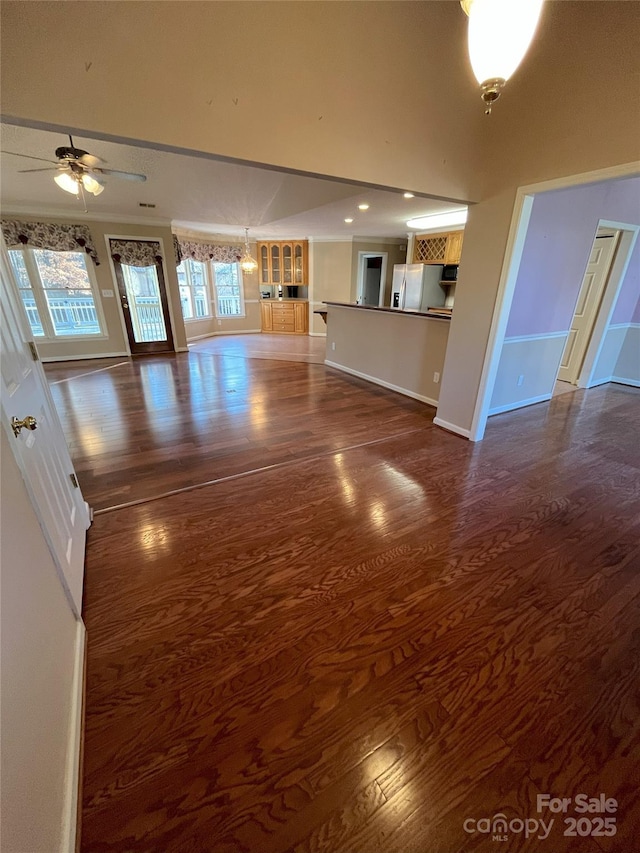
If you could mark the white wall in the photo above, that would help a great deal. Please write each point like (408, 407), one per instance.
(40, 639)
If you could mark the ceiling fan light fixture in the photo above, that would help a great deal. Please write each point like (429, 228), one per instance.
(247, 263)
(67, 182)
(92, 184)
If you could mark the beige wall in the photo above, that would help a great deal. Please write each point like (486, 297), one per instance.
(114, 343)
(318, 119)
(396, 350)
(329, 277)
(39, 634)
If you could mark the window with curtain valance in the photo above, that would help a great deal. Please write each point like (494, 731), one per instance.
(52, 236)
(204, 252)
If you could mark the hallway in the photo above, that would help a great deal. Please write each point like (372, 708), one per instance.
(382, 631)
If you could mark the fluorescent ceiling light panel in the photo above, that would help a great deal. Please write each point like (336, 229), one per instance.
(440, 220)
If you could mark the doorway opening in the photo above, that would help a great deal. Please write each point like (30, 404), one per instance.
(372, 277)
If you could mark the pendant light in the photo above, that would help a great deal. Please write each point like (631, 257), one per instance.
(500, 32)
(247, 263)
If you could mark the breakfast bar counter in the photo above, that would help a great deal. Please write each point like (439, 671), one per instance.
(400, 350)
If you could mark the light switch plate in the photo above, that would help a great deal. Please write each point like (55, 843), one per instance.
(107, 293)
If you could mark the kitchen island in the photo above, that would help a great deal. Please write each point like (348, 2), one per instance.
(400, 350)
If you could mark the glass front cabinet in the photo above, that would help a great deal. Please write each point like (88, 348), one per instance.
(284, 263)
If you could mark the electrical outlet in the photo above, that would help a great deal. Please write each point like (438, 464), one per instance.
(333, 345)
(436, 377)
(520, 379)
(219, 322)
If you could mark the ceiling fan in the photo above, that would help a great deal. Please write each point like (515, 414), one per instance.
(78, 170)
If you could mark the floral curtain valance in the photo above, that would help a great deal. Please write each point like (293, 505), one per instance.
(136, 253)
(208, 252)
(50, 235)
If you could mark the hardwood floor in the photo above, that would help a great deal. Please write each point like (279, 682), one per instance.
(359, 651)
(143, 427)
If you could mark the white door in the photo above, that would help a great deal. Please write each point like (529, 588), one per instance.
(589, 299)
(41, 453)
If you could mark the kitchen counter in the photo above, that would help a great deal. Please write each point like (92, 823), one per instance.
(400, 350)
(284, 299)
(432, 314)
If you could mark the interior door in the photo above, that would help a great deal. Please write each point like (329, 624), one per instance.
(587, 307)
(39, 445)
(145, 307)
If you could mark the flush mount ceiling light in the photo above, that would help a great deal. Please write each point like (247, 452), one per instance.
(409, 195)
(363, 207)
(440, 220)
(500, 32)
(349, 219)
(247, 263)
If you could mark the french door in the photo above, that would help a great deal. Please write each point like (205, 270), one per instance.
(143, 296)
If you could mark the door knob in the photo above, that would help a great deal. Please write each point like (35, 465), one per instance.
(27, 423)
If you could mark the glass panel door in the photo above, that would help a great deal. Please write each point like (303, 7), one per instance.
(264, 264)
(275, 263)
(287, 270)
(298, 265)
(146, 312)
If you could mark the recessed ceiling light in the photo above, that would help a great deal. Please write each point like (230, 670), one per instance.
(348, 219)
(440, 220)
(363, 207)
(409, 195)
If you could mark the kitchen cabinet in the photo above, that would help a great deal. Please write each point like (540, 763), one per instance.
(285, 317)
(440, 248)
(284, 263)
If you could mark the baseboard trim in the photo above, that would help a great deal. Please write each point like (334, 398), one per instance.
(317, 334)
(73, 776)
(620, 380)
(239, 332)
(520, 404)
(407, 393)
(49, 358)
(465, 433)
(217, 334)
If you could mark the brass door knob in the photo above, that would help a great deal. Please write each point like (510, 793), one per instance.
(27, 423)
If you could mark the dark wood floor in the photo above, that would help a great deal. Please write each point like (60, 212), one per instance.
(142, 427)
(355, 653)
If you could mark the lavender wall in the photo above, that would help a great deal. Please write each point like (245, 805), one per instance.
(561, 231)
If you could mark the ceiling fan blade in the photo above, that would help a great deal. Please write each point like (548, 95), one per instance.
(90, 160)
(49, 169)
(28, 156)
(127, 176)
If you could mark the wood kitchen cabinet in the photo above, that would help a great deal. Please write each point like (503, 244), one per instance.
(284, 263)
(285, 317)
(440, 248)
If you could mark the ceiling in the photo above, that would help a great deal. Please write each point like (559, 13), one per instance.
(202, 194)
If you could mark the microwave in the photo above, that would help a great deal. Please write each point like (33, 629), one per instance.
(450, 272)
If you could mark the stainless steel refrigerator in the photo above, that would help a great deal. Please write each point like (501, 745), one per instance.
(415, 287)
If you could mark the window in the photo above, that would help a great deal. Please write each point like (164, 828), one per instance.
(194, 291)
(58, 292)
(228, 289)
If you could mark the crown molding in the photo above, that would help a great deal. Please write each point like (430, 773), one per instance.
(53, 213)
(341, 239)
